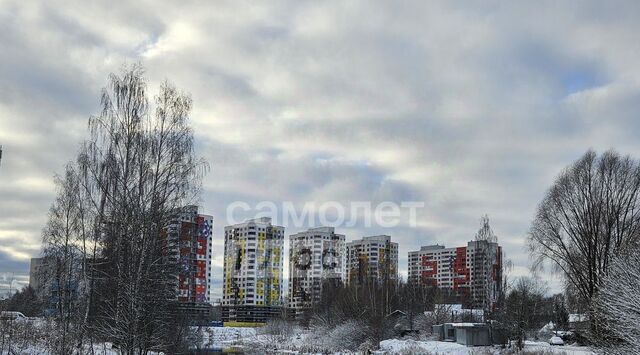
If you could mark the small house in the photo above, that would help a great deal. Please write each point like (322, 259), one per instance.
(469, 334)
(472, 334)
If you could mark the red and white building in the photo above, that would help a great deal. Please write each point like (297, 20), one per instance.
(189, 239)
(473, 272)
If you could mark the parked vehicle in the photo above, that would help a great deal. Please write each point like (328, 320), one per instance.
(556, 340)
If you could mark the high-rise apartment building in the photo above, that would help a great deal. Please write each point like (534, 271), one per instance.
(372, 258)
(315, 256)
(253, 265)
(473, 273)
(188, 241)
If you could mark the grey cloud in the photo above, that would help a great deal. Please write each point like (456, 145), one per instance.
(471, 108)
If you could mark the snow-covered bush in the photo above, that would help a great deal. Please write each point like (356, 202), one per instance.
(29, 336)
(412, 349)
(278, 330)
(616, 307)
(320, 338)
(350, 335)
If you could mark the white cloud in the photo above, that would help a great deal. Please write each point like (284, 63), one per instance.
(472, 109)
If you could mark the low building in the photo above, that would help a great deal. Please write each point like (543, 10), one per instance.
(469, 334)
(472, 334)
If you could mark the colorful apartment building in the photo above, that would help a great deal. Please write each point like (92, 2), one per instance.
(253, 268)
(188, 241)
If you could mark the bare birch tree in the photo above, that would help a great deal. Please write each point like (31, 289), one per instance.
(144, 166)
(64, 261)
(133, 175)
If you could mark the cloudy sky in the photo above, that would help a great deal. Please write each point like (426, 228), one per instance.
(471, 107)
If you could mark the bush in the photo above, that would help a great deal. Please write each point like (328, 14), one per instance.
(350, 335)
(615, 318)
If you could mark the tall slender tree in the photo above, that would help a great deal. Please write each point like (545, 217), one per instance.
(64, 261)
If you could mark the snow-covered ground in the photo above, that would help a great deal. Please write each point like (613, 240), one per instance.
(435, 347)
(229, 337)
(98, 349)
(224, 337)
(393, 346)
(566, 349)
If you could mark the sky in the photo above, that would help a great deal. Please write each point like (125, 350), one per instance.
(471, 107)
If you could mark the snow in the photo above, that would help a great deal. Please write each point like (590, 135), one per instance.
(98, 349)
(463, 325)
(434, 347)
(547, 328)
(454, 307)
(566, 349)
(222, 337)
(232, 337)
(575, 317)
(394, 346)
(556, 341)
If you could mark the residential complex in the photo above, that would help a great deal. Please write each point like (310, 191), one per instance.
(473, 273)
(315, 256)
(372, 258)
(253, 265)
